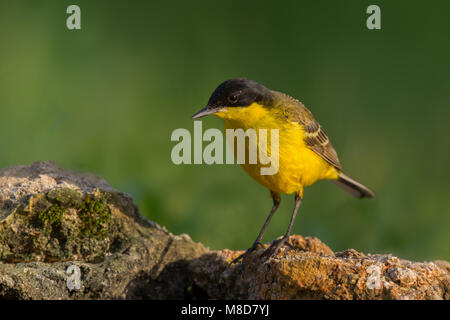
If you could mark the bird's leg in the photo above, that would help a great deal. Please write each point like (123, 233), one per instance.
(276, 202)
(276, 244)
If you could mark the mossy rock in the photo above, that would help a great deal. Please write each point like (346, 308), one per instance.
(57, 225)
(53, 219)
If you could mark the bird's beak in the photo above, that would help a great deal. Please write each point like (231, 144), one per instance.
(206, 111)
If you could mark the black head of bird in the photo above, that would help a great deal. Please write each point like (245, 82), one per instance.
(237, 92)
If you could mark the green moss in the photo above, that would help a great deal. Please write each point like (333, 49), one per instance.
(56, 201)
(53, 215)
(93, 211)
(94, 215)
(65, 196)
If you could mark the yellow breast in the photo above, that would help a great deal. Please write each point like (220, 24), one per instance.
(299, 166)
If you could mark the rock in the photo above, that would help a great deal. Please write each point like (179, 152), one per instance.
(312, 271)
(54, 219)
(66, 235)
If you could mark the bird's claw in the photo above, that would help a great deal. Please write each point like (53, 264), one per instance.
(276, 245)
(271, 251)
(244, 256)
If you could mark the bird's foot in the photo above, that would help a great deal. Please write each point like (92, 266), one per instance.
(244, 256)
(276, 245)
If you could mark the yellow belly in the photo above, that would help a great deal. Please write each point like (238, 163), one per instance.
(299, 166)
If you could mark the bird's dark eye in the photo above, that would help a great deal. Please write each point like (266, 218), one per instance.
(233, 98)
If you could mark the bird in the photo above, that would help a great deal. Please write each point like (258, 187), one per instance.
(306, 154)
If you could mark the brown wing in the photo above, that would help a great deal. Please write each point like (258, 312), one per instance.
(315, 136)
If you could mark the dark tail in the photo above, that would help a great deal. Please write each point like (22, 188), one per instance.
(353, 187)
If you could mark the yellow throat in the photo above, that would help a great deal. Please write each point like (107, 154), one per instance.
(298, 166)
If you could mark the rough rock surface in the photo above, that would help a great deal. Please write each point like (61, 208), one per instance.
(312, 271)
(57, 225)
(54, 219)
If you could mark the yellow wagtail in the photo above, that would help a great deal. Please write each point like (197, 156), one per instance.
(305, 152)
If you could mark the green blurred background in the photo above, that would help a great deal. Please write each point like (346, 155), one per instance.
(106, 99)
